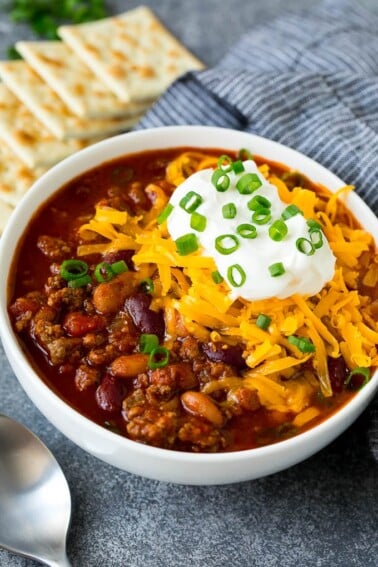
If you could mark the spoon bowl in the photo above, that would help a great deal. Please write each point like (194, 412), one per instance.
(35, 501)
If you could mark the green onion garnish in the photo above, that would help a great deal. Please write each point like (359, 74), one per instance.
(246, 230)
(311, 223)
(147, 343)
(261, 216)
(278, 230)
(80, 282)
(226, 243)
(238, 167)
(186, 244)
(360, 371)
(217, 277)
(258, 202)
(158, 358)
(244, 154)
(291, 211)
(147, 285)
(225, 163)
(276, 269)
(302, 343)
(220, 180)
(236, 275)
(198, 222)
(305, 246)
(164, 214)
(248, 183)
(119, 267)
(316, 237)
(191, 202)
(229, 211)
(73, 269)
(263, 321)
(103, 272)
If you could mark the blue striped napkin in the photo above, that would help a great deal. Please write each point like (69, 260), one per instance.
(308, 80)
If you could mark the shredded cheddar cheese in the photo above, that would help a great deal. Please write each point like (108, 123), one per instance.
(338, 320)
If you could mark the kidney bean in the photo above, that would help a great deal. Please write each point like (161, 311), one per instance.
(338, 373)
(78, 324)
(145, 319)
(118, 255)
(110, 394)
(228, 354)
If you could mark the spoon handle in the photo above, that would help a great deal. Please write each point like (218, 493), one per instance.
(62, 562)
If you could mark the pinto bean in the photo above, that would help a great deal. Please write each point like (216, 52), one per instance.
(228, 354)
(145, 319)
(109, 297)
(199, 404)
(128, 366)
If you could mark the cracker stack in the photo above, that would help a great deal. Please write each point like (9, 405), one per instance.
(64, 95)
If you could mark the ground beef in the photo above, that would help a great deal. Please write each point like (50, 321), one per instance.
(70, 298)
(54, 248)
(151, 425)
(201, 435)
(86, 376)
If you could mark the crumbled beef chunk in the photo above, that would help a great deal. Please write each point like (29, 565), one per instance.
(201, 435)
(71, 298)
(86, 376)
(54, 248)
(189, 349)
(152, 425)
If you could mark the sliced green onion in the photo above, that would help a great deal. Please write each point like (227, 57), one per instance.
(305, 246)
(80, 282)
(217, 277)
(229, 211)
(164, 214)
(263, 321)
(302, 343)
(236, 275)
(261, 216)
(119, 267)
(311, 223)
(248, 183)
(244, 154)
(278, 230)
(226, 243)
(225, 163)
(276, 269)
(147, 343)
(198, 222)
(316, 237)
(73, 269)
(191, 202)
(147, 285)
(220, 180)
(186, 244)
(258, 202)
(360, 371)
(103, 272)
(291, 211)
(246, 230)
(158, 358)
(238, 167)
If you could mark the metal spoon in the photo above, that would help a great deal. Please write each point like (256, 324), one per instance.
(35, 501)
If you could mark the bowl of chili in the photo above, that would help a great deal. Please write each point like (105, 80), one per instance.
(143, 350)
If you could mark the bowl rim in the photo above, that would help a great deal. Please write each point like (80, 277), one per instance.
(47, 185)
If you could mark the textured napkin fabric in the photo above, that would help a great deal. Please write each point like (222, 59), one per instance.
(308, 80)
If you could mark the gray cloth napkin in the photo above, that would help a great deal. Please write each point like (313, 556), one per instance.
(308, 80)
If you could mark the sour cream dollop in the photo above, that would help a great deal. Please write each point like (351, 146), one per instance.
(248, 269)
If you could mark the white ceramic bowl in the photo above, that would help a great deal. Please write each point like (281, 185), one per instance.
(162, 464)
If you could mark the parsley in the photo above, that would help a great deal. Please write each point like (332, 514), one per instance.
(45, 16)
